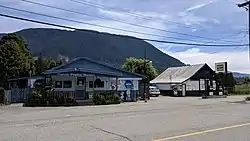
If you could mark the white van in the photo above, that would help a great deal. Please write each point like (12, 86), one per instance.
(154, 91)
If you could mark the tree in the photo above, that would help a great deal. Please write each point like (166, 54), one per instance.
(42, 64)
(246, 80)
(15, 58)
(25, 56)
(227, 80)
(136, 65)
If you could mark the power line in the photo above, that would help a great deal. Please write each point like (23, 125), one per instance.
(97, 25)
(85, 14)
(167, 31)
(127, 12)
(208, 53)
(68, 27)
(36, 21)
(130, 13)
(246, 5)
(196, 44)
(215, 51)
(141, 26)
(217, 40)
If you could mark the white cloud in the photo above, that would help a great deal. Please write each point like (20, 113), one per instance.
(216, 21)
(135, 31)
(191, 19)
(199, 17)
(198, 6)
(237, 60)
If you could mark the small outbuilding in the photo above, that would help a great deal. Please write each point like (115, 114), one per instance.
(194, 80)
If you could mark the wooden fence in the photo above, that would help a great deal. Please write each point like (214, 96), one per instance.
(19, 94)
(65, 94)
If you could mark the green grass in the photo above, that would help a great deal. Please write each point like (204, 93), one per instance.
(243, 89)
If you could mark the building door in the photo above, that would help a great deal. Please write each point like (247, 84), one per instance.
(81, 88)
(183, 89)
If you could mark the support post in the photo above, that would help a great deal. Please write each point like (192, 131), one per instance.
(246, 5)
(144, 71)
(116, 81)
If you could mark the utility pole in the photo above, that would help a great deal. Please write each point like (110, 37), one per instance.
(246, 5)
(144, 69)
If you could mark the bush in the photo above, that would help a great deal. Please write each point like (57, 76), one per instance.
(42, 97)
(2, 96)
(247, 98)
(106, 98)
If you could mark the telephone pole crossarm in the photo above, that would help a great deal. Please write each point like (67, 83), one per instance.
(244, 4)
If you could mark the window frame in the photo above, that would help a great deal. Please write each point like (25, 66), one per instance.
(80, 79)
(61, 84)
(71, 84)
(100, 83)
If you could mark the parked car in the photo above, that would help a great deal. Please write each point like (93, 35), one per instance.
(154, 91)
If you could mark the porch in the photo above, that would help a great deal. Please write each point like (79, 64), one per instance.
(80, 86)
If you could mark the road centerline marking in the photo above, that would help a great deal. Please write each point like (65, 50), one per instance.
(203, 132)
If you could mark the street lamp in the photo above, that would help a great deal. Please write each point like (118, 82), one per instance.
(144, 85)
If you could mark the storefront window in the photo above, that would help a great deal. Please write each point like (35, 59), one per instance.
(99, 83)
(67, 84)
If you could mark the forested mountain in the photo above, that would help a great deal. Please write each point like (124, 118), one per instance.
(109, 48)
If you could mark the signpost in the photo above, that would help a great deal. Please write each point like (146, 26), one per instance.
(221, 67)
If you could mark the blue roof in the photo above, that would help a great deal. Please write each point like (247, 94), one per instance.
(25, 78)
(88, 66)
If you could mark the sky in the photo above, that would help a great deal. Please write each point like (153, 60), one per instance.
(192, 21)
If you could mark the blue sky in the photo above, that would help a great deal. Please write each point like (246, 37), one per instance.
(219, 20)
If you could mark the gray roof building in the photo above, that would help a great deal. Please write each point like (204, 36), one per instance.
(177, 74)
(194, 80)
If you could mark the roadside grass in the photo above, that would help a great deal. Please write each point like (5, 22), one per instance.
(243, 89)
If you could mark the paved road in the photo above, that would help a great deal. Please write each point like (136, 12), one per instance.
(163, 118)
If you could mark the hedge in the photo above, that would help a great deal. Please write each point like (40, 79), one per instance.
(106, 98)
(247, 98)
(40, 98)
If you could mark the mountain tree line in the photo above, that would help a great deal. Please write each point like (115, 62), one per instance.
(17, 61)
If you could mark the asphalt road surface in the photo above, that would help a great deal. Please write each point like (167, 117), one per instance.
(161, 119)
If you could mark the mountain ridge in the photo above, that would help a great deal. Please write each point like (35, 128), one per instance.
(100, 46)
(238, 74)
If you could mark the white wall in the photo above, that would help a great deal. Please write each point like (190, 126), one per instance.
(121, 84)
(202, 84)
(108, 81)
(214, 85)
(164, 86)
(93, 78)
(64, 78)
(192, 85)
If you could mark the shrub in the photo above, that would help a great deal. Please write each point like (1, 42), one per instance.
(106, 98)
(2, 97)
(42, 97)
(247, 98)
